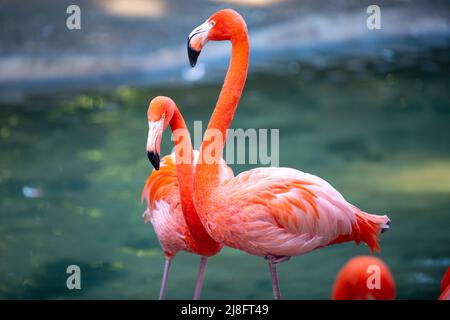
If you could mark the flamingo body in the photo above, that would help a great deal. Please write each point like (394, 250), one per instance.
(169, 191)
(271, 212)
(164, 208)
(164, 211)
(285, 212)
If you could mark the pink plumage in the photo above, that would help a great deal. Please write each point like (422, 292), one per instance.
(285, 212)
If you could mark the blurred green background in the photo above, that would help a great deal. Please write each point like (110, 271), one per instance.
(369, 112)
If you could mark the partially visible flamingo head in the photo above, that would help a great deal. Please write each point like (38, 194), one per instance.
(159, 114)
(364, 278)
(223, 25)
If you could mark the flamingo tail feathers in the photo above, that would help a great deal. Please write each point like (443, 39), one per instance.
(368, 229)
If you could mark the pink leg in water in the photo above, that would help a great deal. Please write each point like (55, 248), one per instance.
(273, 263)
(164, 279)
(201, 273)
(275, 284)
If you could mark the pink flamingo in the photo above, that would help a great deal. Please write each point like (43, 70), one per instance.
(169, 190)
(354, 283)
(271, 212)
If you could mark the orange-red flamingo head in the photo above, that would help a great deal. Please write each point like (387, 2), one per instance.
(159, 114)
(364, 278)
(223, 25)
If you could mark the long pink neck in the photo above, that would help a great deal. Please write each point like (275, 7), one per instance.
(207, 171)
(185, 174)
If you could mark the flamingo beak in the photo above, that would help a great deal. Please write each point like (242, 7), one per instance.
(154, 159)
(196, 40)
(193, 56)
(155, 130)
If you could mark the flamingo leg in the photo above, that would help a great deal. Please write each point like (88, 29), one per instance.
(275, 283)
(164, 279)
(273, 264)
(201, 273)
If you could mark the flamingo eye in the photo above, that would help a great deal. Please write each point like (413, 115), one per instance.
(213, 23)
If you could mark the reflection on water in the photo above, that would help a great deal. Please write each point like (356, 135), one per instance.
(379, 134)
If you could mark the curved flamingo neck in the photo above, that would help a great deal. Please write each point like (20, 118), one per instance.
(208, 168)
(185, 174)
(185, 170)
(232, 87)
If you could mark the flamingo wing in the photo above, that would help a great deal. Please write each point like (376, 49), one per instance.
(164, 207)
(162, 184)
(283, 211)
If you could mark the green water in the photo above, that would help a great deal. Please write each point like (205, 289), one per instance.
(380, 135)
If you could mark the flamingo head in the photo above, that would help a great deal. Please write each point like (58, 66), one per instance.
(364, 278)
(223, 25)
(159, 114)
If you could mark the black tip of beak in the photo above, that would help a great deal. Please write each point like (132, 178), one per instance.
(193, 54)
(154, 159)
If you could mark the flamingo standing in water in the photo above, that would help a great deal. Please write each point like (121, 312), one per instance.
(354, 281)
(270, 212)
(169, 191)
